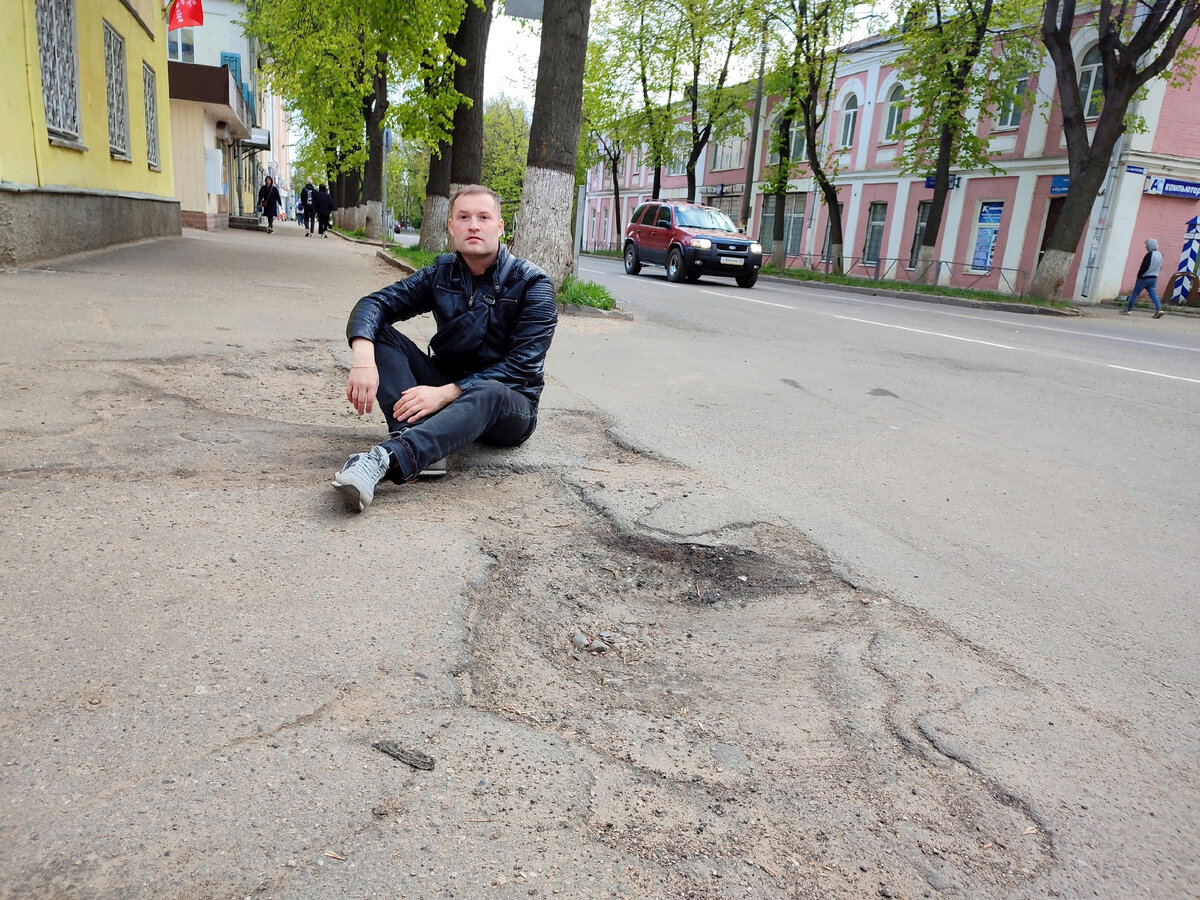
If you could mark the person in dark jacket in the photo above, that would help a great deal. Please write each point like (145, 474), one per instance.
(269, 202)
(306, 206)
(1147, 279)
(495, 317)
(324, 210)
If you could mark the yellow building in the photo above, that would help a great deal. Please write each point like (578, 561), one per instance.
(85, 158)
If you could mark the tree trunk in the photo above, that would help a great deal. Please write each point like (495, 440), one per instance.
(353, 215)
(470, 43)
(778, 250)
(937, 207)
(1051, 274)
(657, 184)
(618, 231)
(434, 235)
(543, 232)
(374, 110)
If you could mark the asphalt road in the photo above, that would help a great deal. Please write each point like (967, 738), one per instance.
(1026, 480)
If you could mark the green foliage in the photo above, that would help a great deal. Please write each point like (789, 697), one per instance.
(407, 172)
(958, 59)
(585, 293)
(325, 58)
(505, 152)
(414, 256)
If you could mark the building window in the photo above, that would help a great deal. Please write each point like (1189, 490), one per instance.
(57, 46)
(795, 142)
(919, 233)
(118, 93)
(730, 154)
(1091, 83)
(849, 120)
(181, 45)
(730, 204)
(895, 114)
(150, 89)
(793, 223)
(1010, 109)
(876, 216)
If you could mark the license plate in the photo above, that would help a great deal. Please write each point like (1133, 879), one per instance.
(732, 261)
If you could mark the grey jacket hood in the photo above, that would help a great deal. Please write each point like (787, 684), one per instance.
(1151, 244)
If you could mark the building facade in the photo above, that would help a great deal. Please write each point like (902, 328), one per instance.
(85, 161)
(227, 127)
(994, 226)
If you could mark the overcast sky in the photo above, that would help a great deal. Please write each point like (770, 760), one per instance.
(512, 57)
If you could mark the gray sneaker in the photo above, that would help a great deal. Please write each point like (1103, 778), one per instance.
(361, 474)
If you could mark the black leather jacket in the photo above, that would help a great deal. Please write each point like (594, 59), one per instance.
(496, 326)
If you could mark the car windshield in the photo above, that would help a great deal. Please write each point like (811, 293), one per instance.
(705, 217)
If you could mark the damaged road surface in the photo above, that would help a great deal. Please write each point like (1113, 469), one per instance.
(575, 669)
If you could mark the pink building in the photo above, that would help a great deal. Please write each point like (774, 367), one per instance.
(994, 226)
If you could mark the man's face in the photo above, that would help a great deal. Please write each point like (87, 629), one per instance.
(476, 226)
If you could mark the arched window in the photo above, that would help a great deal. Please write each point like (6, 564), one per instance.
(897, 103)
(849, 120)
(1091, 83)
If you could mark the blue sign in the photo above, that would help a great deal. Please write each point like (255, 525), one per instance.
(1173, 187)
(991, 213)
(931, 182)
(1136, 170)
(1059, 185)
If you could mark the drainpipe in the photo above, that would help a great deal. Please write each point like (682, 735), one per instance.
(34, 92)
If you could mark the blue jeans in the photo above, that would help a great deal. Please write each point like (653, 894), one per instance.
(1150, 286)
(488, 411)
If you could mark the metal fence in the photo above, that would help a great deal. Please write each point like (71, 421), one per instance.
(944, 273)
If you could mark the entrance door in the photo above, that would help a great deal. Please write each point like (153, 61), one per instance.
(1053, 211)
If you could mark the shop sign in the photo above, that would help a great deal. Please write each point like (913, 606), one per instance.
(1173, 187)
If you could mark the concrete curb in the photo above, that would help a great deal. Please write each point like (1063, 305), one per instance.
(591, 312)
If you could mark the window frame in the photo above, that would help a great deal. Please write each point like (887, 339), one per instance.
(1008, 117)
(184, 39)
(849, 122)
(895, 114)
(116, 81)
(150, 101)
(1093, 72)
(724, 151)
(874, 228)
(59, 66)
(794, 208)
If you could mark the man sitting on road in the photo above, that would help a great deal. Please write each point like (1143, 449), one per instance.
(495, 317)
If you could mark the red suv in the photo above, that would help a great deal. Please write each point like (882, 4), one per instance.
(690, 240)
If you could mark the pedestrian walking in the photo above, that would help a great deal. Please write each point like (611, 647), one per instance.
(495, 317)
(324, 208)
(1147, 279)
(307, 205)
(269, 202)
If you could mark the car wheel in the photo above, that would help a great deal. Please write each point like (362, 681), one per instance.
(675, 270)
(633, 265)
(747, 280)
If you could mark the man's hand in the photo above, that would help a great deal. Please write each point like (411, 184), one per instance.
(424, 400)
(361, 387)
(363, 383)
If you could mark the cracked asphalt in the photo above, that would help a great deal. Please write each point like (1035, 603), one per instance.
(201, 646)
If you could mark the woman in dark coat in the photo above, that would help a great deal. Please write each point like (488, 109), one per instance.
(324, 210)
(269, 202)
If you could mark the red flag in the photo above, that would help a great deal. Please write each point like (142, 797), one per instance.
(185, 14)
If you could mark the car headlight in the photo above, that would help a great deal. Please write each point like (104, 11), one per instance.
(701, 243)
(756, 248)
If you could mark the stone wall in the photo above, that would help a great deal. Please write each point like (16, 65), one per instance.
(38, 224)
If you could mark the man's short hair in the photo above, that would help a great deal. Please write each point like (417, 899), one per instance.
(468, 189)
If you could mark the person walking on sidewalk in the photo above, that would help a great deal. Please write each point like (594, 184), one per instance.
(307, 205)
(1147, 279)
(269, 202)
(495, 316)
(324, 207)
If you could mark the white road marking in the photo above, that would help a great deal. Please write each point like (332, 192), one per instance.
(1156, 374)
(953, 337)
(747, 299)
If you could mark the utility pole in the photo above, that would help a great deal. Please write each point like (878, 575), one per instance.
(385, 233)
(752, 159)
